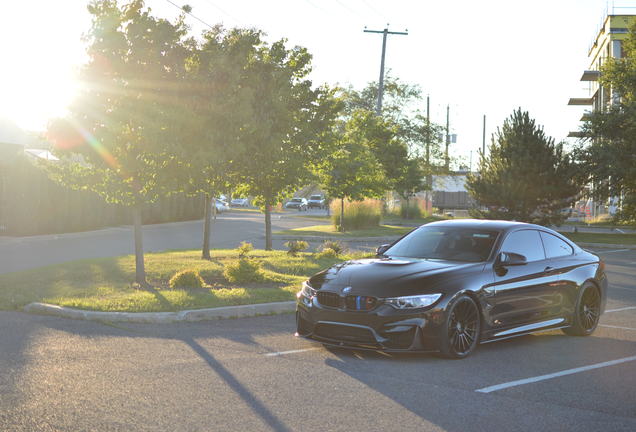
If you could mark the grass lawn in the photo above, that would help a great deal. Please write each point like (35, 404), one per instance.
(329, 230)
(628, 239)
(105, 284)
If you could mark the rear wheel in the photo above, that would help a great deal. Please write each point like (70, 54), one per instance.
(460, 334)
(587, 312)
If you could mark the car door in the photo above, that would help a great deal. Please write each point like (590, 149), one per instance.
(524, 293)
(563, 262)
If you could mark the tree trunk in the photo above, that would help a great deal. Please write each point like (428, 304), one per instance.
(205, 251)
(406, 214)
(140, 271)
(342, 227)
(268, 225)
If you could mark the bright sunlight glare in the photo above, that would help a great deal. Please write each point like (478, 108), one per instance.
(37, 77)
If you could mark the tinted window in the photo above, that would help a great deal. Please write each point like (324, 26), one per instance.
(554, 246)
(454, 244)
(315, 197)
(526, 242)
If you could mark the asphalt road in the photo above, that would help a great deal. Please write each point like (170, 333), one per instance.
(229, 230)
(252, 374)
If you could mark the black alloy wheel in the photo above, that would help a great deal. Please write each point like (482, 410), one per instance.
(587, 313)
(461, 333)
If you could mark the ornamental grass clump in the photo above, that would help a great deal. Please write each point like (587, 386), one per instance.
(244, 249)
(327, 253)
(243, 271)
(336, 246)
(296, 246)
(186, 279)
(357, 214)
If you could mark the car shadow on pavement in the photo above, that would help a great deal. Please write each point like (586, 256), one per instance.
(443, 392)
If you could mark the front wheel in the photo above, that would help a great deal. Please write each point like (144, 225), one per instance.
(587, 312)
(460, 334)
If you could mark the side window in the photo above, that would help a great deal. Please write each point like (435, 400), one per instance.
(525, 242)
(554, 246)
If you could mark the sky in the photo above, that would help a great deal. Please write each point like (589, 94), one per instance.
(481, 58)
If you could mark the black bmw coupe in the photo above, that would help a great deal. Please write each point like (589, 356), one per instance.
(448, 286)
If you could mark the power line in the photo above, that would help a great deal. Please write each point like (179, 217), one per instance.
(190, 13)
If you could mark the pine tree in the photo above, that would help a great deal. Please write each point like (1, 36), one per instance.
(526, 177)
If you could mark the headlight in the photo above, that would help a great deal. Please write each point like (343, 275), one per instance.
(412, 302)
(307, 292)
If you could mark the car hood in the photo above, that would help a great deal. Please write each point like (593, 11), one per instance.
(386, 277)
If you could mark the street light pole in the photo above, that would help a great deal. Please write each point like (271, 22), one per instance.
(385, 33)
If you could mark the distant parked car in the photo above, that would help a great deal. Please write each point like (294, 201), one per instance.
(239, 202)
(297, 203)
(316, 201)
(221, 206)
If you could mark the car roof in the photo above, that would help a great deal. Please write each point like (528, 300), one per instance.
(499, 225)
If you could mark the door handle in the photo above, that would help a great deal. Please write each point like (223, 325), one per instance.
(549, 270)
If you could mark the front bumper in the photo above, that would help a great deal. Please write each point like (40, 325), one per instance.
(383, 328)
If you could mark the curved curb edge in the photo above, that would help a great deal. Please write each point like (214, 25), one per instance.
(241, 311)
(606, 245)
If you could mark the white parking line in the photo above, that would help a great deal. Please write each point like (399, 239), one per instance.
(502, 386)
(620, 309)
(613, 251)
(280, 353)
(616, 327)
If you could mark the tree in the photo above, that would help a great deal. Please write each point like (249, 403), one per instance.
(114, 139)
(351, 170)
(381, 136)
(219, 104)
(410, 181)
(285, 133)
(398, 98)
(527, 177)
(408, 134)
(607, 154)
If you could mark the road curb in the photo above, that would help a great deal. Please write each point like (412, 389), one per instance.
(606, 245)
(209, 314)
(340, 239)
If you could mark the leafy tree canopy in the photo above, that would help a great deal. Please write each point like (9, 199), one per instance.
(114, 139)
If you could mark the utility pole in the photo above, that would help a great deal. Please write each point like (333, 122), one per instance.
(428, 130)
(447, 160)
(483, 140)
(385, 33)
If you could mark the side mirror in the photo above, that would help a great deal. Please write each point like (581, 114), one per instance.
(506, 259)
(381, 249)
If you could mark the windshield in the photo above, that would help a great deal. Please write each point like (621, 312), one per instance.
(296, 200)
(445, 243)
(315, 197)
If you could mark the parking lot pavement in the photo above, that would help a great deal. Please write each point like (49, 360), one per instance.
(252, 374)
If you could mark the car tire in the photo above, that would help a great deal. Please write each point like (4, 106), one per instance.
(587, 311)
(460, 333)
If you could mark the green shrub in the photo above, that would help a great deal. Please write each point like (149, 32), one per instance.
(357, 214)
(327, 253)
(186, 279)
(296, 246)
(244, 249)
(243, 270)
(335, 246)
